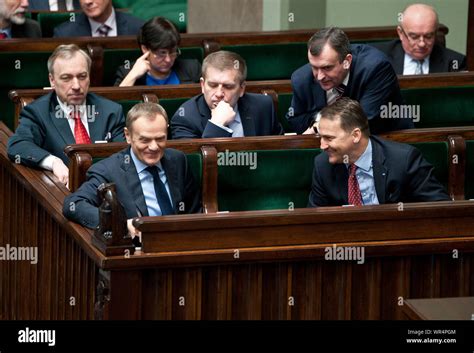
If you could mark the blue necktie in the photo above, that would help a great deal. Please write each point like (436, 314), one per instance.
(160, 191)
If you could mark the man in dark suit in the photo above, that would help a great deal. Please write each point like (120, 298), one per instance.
(55, 5)
(14, 24)
(416, 52)
(359, 169)
(337, 69)
(224, 109)
(66, 116)
(99, 20)
(150, 179)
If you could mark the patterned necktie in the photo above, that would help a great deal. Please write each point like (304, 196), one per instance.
(340, 91)
(62, 5)
(3, 35)
(80, 132)
(353, 191)
(103, 30)
(160, 191)
(419, 67)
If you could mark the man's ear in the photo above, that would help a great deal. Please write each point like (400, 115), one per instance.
(356, 135)
(128, 136)
(242, 89)
(144, 49)
(346, 64)
(51, 80)
(399, 32)
(201, 81)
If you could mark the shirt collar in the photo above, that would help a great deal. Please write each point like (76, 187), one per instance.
(139, 165)
(365, 160)
(111, 22)
(66, 108)
(344, 82)
(408, 58)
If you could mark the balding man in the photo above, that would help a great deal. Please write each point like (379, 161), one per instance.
(416, 52)
(14, 24)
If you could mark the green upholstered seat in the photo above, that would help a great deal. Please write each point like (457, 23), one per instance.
(20, 70)
(49, 20)
(469, 184)
(114, 58)
(281, 179)
(271, 61)
(444, 106)
(436, 153)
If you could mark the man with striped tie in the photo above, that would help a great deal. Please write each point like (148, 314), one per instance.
(66, 116)
(338, 69)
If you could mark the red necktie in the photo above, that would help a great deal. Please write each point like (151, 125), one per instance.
(3, 35)
(353, 191)
(80, 132)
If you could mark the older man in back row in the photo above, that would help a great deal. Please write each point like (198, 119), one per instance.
(68, 115)
(416, 51)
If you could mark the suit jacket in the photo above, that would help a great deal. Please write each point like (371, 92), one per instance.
(188, 71)
(41, 133)
(126, 25)
(372, 82)
(401, 174)
(257, 114)
(120, 169)
(29, 29)
(44, 5)
(441, 59)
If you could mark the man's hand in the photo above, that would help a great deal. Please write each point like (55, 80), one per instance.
(310, 130)
(61, 171)
(140, 68)
(223, 114)
(132, 230)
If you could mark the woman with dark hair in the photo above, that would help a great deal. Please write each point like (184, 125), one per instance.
(159, 65)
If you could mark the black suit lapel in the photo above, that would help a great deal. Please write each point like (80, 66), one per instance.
(121, 24)
(342, 176)
(61, 123)
(398, 59)
(133, 183)
(95, 120)
(380, 172)
(246, 119)
(437, 63)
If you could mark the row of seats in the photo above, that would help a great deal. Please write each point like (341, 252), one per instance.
(262, 184)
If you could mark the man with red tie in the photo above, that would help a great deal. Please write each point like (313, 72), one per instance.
(358, 169)
(14, 24)
(68, 115)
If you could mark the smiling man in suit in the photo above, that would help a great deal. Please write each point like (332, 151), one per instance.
(68, 115)
(150, 179)
(224, 109)
(99, 20)
(358, 169)
(416, 51)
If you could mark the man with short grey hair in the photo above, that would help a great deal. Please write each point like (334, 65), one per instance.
(14, 24)
(68, 115)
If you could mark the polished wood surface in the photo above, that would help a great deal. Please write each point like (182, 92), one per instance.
(440, 308)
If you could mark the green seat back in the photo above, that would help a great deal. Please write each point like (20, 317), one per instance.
(436, 153)
(49, 20)
(20, 70)
(114, 58)
(469, 184)
(444, 106)
(271, 61)
(281, 179)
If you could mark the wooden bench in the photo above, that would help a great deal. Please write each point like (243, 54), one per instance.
(269, 265)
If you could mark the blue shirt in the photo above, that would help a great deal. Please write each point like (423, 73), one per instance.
(172, 79)
(148, 187)
(365, 177)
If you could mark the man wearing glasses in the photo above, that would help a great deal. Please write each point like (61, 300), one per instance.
(416, 52)
(159, 65)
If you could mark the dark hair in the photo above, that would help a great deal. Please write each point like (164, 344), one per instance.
(350, 114)
(158, 33)
(336, 38)
(225, 60)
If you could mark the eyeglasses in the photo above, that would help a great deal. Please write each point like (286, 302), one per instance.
(162, 53)
(415, 38)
